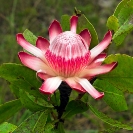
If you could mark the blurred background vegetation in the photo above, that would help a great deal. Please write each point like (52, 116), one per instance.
(36, 15)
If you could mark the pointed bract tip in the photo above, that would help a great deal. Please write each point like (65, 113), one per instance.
(85, 34)
(109, 33)
(100, 97)
(54, 30)
(54, 23)
(19, 36)
(45, 92)
(73, 23)
(74, 17)
(21, 53)
(114, 65)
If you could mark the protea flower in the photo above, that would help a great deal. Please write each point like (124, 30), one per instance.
(66, 57)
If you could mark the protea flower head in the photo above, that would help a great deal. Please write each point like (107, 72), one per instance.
(66, 57)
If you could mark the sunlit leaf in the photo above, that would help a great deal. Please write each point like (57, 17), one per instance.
(109, 120)
(8, 109)
(41, 122)
(30, 37)
(119, 7)
(30, 124)
(112, 96)
(112, 23)
(120, 38)
(124, 14)
(49, 128)
(120, 34)
(7, 127)
(121, 77)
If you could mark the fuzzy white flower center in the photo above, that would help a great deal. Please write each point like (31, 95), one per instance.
(68, 54)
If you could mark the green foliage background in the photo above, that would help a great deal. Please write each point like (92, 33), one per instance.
(18, 15)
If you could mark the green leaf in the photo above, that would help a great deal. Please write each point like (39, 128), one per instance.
(8, 109)
(113, 97)
(65, 22)
(7, 127)
(30, 124)
(21, 77)
(121, 77)
(41, 122)
(12, 71)
(36, 97)
(120, 38)
(119, 7)
(112, 23)
(125, 15)
(122, 32)
(125, 21)
(84, 23)
(74, 107)
(30, 37)
(108, 120)
(61, 127)
(110, 130)
(55, 98)
(28, 103)
(49, 128)
(84, 97)
(28, 87)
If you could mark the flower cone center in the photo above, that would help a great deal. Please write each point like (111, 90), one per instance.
(68, 54)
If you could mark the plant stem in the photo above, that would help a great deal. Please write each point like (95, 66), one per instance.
(65, 92)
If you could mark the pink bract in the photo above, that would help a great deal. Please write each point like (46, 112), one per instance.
(66, 57)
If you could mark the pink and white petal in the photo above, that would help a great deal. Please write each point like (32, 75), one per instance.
(29, 47)
(97, 61)
(50, 85)
(85, 34)
(75, 85)
(90, 89)
(98, 70)
(42, 44)
(34, 63)
(41, 74)
(54, 30)
(102, 45)
(73, 23)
